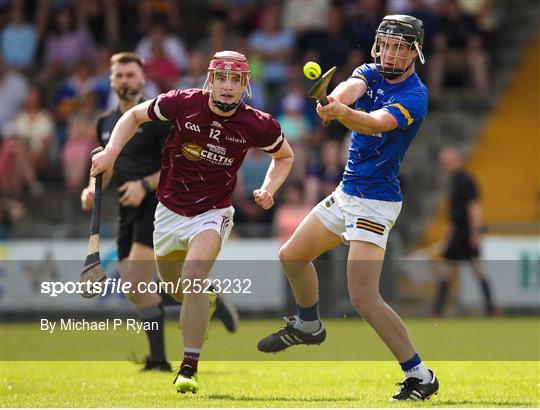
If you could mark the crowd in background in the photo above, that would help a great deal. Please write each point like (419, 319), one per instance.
(54, 80)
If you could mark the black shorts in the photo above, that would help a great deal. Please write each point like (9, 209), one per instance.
(136, 225)
(459, 248)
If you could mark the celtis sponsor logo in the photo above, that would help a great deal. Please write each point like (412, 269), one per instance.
(194, 152)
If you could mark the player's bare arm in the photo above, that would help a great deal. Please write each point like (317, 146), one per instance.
(282, 162)
(348, 92)
(359, 121)
(123, 131)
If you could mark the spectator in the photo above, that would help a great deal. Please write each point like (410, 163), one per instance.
(355, 59)
(291, 212)
(462, 242)
(18, 39)
(241, 15)
(151, 10)
(273, 45)
(34, 127)
(196, 74)
(101, 75)
(82, 81)
(486, 17)
(11, 212)
(13, 88)
(298, 18)
(362, 21)
(323, 175)
(294, 122)
(295, 125)
(333, 46)
(70, 43)
(420, 10)
(101, 18)
(219, 37)
(16, 169)
(81, 139)
(457, 39)
(159, 68)
(173, 47)
(258, 96)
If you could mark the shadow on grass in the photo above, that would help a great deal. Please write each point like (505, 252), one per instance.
(284, 399)
(485, 403)
(433, 403)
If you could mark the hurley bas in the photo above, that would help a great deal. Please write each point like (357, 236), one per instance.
(130, 325)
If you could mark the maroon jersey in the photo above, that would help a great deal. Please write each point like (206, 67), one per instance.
(204, 151)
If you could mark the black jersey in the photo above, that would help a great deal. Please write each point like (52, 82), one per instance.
(463, 190)
(142, 154)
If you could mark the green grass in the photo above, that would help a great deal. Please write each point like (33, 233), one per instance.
(364, 375)
(511, 339)
(264, 384)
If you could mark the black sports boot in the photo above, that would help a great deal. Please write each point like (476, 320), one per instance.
(226, 313)
(412, 389)
(289, 336)
(156, 365)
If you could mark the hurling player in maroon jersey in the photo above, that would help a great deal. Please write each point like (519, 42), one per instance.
(212, 130)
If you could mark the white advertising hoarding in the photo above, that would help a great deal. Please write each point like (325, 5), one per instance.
(28, 263)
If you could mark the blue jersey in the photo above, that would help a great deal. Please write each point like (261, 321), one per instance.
(374, 160)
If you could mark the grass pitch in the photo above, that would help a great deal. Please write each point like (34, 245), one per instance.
(274, 380)
(264, 384)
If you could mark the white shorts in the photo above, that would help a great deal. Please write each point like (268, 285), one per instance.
(173, 232)
(358, 219)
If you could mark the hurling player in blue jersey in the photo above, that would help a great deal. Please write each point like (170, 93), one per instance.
(390, 105)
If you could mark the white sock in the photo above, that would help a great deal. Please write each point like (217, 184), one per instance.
(419, 371)
(307, 326)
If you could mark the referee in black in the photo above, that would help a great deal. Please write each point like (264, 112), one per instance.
(464, 237)
(136, 174)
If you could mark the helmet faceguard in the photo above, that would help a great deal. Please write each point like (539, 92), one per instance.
(229, 63)
(409, 32)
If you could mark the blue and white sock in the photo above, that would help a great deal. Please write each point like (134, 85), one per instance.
(307, 319)
(415, 367)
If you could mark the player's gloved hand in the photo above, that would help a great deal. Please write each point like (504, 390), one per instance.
(132, 193)
(334, 110)
(87, 198)
(263, 198)
(103, 161)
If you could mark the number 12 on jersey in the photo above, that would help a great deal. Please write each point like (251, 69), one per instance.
(214, 134)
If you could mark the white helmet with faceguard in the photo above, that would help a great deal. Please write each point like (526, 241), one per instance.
(228, 63)
(409, 31)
